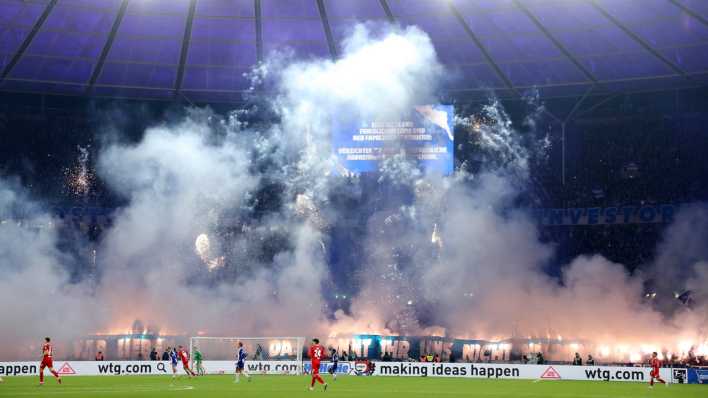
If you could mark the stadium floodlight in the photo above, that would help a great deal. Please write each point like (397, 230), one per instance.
(265, 355)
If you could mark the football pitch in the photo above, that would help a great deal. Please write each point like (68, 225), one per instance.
(295, 387)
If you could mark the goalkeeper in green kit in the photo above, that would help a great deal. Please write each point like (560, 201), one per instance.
(198, 362)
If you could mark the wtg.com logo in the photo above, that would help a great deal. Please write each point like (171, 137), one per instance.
(342, 367)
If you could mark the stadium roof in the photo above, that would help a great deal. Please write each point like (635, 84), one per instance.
(200, 49)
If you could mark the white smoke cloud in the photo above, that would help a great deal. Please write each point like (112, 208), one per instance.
(682, 249)
(181, 178)
(488, 281)
(33, 282)
(175, 180)
(376, 76)
(681, 266)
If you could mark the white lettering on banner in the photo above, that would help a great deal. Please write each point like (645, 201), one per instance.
(278, 348)
(511, 371)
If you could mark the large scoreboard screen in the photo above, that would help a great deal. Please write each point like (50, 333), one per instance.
(424, 136)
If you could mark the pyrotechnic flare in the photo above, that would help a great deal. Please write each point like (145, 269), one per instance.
(435, 237)
(202, 246)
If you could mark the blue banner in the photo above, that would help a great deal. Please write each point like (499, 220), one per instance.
(425, 136)
(607, 215)
(628, 214)
(698, 375)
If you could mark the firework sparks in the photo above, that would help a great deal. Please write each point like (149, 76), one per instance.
(305, 207)
(80, 178)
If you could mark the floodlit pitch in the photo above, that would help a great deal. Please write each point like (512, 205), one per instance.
(294, 387)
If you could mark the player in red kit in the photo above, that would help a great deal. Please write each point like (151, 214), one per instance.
(654, 374)
(185, 361)
(316, 354)
(47, 361)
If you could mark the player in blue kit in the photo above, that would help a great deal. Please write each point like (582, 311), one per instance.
(334, 357)
(241, 363)
(173, 361)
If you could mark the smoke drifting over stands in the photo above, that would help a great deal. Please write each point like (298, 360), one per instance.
(233, 223)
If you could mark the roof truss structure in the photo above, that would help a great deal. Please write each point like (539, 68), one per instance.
(203, 50)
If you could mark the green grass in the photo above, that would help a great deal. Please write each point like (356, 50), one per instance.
(351, 386)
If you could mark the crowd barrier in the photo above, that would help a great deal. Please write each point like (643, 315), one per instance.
(118, 368)
(400, 369)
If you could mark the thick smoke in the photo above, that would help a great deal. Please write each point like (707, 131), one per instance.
(34, 283)
(452, 256)
(679, 255)
(182, 179)
(484, 278)
(681, 270)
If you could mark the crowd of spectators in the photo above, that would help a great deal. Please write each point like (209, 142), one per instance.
(533, 358)
(578, 360)
(154, 355)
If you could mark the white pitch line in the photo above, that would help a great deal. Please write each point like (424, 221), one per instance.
(103, 391)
